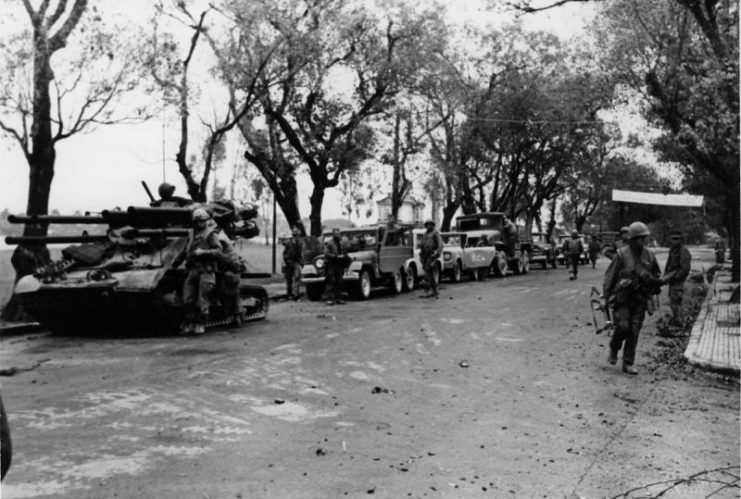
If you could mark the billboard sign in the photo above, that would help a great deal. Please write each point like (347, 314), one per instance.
(686, 200)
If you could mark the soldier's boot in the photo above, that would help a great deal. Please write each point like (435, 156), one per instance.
(186, 328)
(612, 357)
(199, 328)
(629, 369)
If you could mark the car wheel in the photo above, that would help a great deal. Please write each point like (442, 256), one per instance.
(500, 265)
(457, 272)
(397, 282)
(410, 280)
(363, 289)
(314, 291)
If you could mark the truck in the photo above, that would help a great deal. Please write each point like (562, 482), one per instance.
(543, 251)
(513, 247)
(380, 257)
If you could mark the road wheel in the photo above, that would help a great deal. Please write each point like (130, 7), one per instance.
(363, 289)
(314, 291)
(524, 263)
(500, 265)
(410, 280)
(455, 276)
(397, 282)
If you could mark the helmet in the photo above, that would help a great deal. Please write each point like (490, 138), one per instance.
(166, 190)
(200, 215)
(623, 229)
(638, 229)
(429, 221)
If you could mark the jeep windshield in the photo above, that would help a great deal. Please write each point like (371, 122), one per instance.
(360, 239)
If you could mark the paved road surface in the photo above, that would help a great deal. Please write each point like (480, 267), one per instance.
(498, 389)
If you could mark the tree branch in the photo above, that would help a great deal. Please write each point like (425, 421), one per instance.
(59, 39)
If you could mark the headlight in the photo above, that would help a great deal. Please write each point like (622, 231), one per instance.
(319, 263)
(447, 256)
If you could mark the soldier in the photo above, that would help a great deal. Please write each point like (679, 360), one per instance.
(677, 269)
(619, 242)
(202, 258)
(167, 197)
(630, 281)
(230, 267)
(336, 258)
(292, 263)
(572, 251)
(595, 247)
(430, 248)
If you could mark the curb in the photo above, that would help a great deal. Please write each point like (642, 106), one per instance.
(703, 327)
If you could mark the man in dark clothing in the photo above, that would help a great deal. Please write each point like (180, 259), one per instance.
(572, 251)
(630, 281)
(203, 253)
(677, 269)
(336, 259)
(620, 241)
(430, 248)
(595, 247)
(292, 263)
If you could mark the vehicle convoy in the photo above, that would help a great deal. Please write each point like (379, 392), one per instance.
(543, 251)
(513, 248)
(464, 255)
(130, 276)
(380, 257)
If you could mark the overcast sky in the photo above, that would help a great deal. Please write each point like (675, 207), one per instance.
(103, 169)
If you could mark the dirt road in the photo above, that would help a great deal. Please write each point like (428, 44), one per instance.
(498, 389)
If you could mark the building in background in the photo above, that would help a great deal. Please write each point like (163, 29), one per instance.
(410, 211)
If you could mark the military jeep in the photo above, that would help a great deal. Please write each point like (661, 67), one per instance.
(380, 257)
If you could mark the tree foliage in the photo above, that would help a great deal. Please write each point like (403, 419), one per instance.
(337, 66)
(683, 55)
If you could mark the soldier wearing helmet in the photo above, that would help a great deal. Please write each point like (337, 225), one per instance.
(678, 265)
(572, 251)
(631, 280)
(430, 249)
(337, 260)
(621, 240)
(167, 197)
(202, 259)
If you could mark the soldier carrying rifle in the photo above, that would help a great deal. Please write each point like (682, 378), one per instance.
(631, 280)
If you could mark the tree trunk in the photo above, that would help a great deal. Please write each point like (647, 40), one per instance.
(41, 161)
(733, 228)
(315, 218)
(579, 223)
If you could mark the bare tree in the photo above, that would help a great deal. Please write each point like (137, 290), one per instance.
(81, 92)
